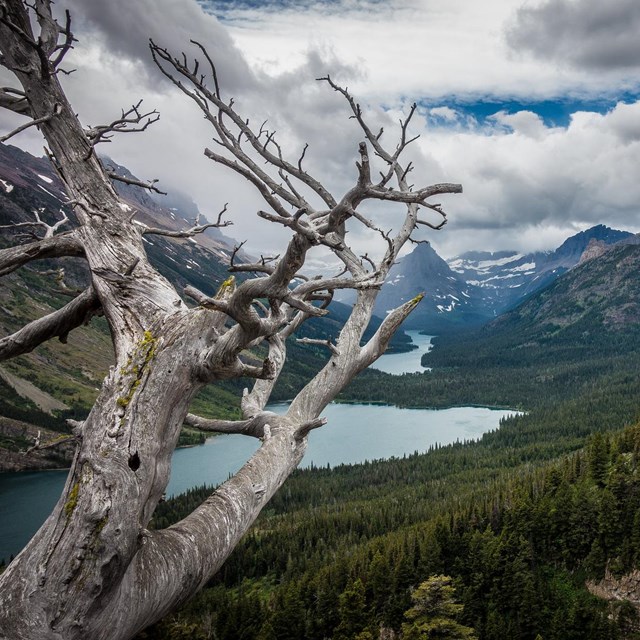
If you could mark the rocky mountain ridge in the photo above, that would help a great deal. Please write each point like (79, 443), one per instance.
(508, 277)
(477, 286)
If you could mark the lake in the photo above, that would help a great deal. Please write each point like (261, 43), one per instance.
(354, 433)
(409, 362)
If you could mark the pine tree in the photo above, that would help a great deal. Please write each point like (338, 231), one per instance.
(434, 612)
(352, 610)
(598, 458)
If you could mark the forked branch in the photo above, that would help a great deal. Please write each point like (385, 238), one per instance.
(50, 229)
(131, 121)
(189, 233)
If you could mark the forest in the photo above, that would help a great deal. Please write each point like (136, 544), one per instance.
(526, 522)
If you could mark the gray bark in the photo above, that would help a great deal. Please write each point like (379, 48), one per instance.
(93, 570)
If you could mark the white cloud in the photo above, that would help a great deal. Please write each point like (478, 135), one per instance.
(521, 188)
(525, 183)
(445, 113)
(524, 123)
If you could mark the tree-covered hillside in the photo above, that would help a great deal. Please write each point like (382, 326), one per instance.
(530, 522)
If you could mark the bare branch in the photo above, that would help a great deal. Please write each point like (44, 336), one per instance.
(15, 100)
(63, 48)
(59, 323)
(126, 123)
(136, 183)
(379, 342)
(235, 251)
(202, 95)
(56, 442)
(369, 281)
(366, 258)
(189, 233)
(324, 343)
(257, 426)
(252, 267)
(64, 244)
(59, 277)
(32, 123)
(304, 429)
(301, 158)
(50, 230)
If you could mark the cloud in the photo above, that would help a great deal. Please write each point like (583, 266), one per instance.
(525, 123)
(123, 29)
(525, 182)
(518, 187)
(589, 34)
(444, 113)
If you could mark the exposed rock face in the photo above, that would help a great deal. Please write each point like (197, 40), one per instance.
(476, 286)
(448, 301)
(26, 389)
(624, 588)
(594, 249)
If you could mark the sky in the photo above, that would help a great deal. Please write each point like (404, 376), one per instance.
(534, 106)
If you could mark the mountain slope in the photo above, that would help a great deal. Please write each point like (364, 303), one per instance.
(507, 277)
(574, 338)
(477, 286)
(449, 302)
(584, 324)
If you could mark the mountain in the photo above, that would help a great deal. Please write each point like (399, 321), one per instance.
(477, 286)
(507, 277)
(449, 300)
(588, 318)
(29, 184)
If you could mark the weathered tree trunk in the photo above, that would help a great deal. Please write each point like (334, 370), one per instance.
(93, 570)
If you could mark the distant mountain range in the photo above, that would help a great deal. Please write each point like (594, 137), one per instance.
(585, 324)
(29, 184)
(477, 286)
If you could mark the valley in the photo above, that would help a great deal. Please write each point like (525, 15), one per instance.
(554, 335)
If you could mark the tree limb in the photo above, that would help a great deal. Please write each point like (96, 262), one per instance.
(150, 185)
(31, 123)
(38, 222)
(254, 426)
(64, 244)
(56, 442)
(126, 123)
(14, 100)
(58, 323)
(323, 343)
(189, 233)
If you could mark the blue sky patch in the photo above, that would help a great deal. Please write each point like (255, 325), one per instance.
(554, 113)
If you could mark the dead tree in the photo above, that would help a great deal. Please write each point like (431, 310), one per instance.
(94, 570)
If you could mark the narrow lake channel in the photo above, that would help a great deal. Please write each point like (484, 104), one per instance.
(354, 433)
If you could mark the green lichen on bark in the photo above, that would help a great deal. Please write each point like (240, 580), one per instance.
(226, 287)
(72, 501)
(136, 366)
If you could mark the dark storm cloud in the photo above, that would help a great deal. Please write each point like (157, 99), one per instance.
(588, 34)
(127, 26)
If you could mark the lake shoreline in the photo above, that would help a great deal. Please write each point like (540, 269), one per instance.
(381, 403)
